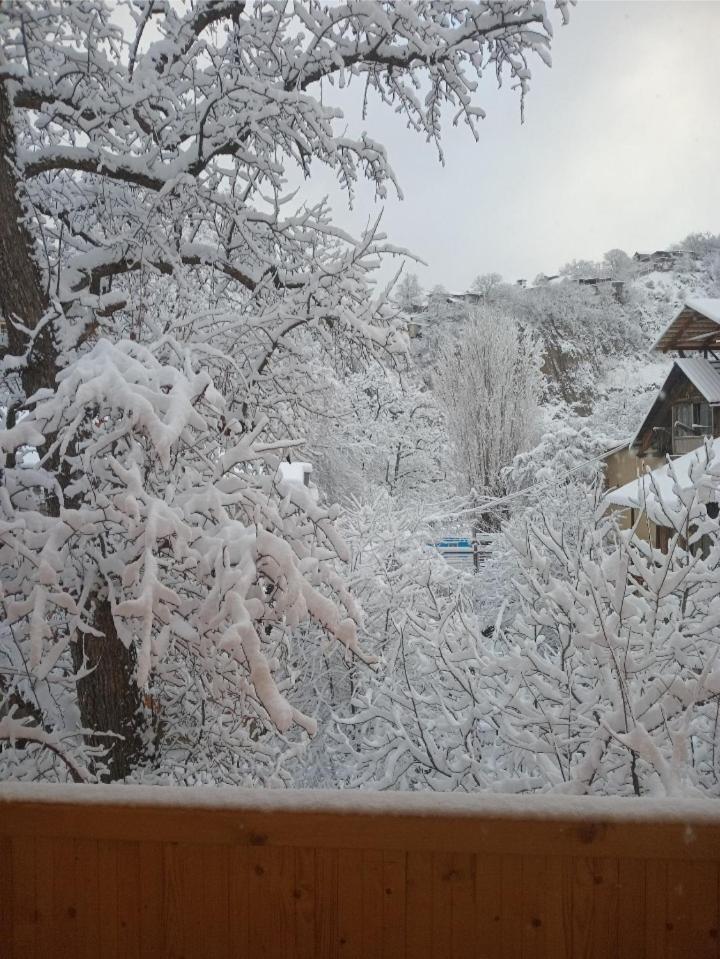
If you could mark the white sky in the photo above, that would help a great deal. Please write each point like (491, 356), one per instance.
(620, 148)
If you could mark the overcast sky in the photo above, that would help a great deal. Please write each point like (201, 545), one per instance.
(620, 148)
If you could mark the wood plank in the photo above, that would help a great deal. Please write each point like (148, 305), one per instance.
(419, 908)
(184, 872)
(239, 902)
(128, 900)
(213, 934)
(558, 907)
(173, 905)
(87, 898)
(326, 904)
(583, 893)
(372, 902)
(632, 940)
(464, 926)
(6, 897)
(656, 916)
(271, 879)
(454, 913)
(66, 888)
(595, 908)
(705, 906)
(24, 905)
(488, 906)
(107, 899)
(692, 910)
(152, 899)
(531, 915)
(394, 903)
(350, 904)
(46, 938)
(510, 929)
(605, 908)
(442, 877)
(305, 894)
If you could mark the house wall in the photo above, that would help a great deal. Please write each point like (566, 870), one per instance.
(622, 467)
(658, 442)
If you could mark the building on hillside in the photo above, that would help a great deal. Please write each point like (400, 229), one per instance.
(597, 283)
(684, 413)
(664, 260)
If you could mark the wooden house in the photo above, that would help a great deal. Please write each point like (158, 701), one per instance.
(684, 413)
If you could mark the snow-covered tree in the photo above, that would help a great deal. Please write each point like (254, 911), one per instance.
(618, 264)
(408, 293)
(382, 429)
(485, 283)
(581, 269)
(158, 284)
(489, 384)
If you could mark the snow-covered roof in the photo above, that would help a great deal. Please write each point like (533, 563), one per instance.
(703, 374)
(708, 306)
(655, 490)
(696, 326)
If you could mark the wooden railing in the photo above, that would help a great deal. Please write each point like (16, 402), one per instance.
(147, 871)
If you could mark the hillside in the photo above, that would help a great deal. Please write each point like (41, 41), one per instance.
(596, 321)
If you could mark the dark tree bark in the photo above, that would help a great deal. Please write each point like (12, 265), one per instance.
(22, 296)
(108, 698)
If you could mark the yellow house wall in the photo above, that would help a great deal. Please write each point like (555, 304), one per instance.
(622, 467)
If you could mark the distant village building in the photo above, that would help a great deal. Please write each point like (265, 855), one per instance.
(663, 260)
(600, 282)
(685, 411)
(473, 297)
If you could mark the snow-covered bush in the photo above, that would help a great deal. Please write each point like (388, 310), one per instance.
(411, 723)
(603, 677)
(606, 680)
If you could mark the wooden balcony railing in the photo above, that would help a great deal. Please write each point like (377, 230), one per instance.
(125, 872)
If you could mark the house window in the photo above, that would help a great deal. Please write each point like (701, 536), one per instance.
(691, 422)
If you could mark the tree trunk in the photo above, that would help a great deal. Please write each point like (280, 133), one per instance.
(108, 698)
(22, 296)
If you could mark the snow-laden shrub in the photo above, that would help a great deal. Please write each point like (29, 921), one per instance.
(607, 679)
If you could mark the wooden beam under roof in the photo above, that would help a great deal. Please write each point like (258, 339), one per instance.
(691, 331)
